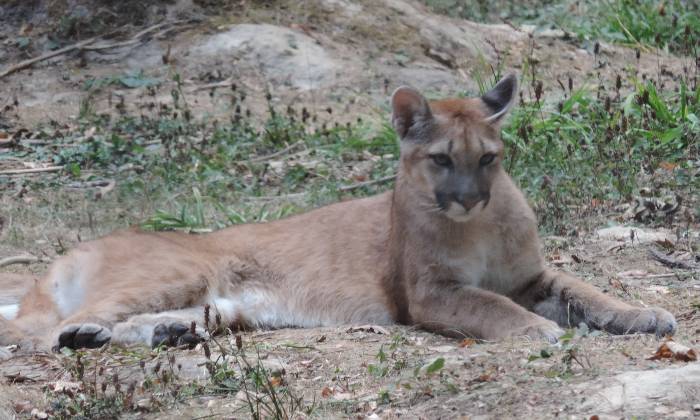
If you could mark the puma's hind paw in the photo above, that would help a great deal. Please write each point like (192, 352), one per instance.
(643, 320)
(77, 336)
(175, 334)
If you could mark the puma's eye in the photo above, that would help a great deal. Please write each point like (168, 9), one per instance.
(486, 159)
(441, 159)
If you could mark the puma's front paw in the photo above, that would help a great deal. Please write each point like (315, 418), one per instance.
(77, 336)
(175, 334)
(541, 329)
(642, 320)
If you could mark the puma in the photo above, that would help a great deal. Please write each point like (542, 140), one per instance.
(452, 249)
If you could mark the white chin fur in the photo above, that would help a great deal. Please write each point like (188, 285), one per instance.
(457, 213)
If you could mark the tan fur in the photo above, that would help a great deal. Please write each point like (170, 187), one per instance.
(394, 257)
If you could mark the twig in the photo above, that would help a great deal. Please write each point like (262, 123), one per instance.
(366, 183)
(276, 154)
(83, 45)
(668, 261)
(19, 259)
(657, 276)
(224, 83)
(29, 62)
(31, 171)
(134, 39)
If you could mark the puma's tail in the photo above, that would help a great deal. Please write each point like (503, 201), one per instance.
(23, 326)
(12, 288)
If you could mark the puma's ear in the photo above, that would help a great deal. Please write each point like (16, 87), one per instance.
(499, 99)
(410, 112)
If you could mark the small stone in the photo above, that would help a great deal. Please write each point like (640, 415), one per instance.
(39, 414)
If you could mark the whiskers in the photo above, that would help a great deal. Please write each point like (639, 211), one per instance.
(430, 206)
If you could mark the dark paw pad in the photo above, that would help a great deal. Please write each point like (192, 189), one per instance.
(174, 335)
(78, 336)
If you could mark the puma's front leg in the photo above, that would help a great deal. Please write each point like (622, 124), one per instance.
(569, 301)
(468, 311)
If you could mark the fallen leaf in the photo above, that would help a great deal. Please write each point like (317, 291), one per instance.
(467, 342)
(668, 165)
(21, 407)
(633, 274)
(658, 289)
(342, 396)
(39, 414)
(665, 243)
(369, 328)
(437, 365)
(65, 386)
(672, 350)
(326, 392)
(441, 349)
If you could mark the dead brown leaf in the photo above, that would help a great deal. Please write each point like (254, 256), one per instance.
(668, 165)
(22, 407)
(672, 350)
(467, 342)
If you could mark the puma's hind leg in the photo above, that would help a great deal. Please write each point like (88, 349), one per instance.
(569, 301)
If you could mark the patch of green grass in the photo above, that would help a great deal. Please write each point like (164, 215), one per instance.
(587, 149)
(590, 148)
(130, 80)
(673, 24)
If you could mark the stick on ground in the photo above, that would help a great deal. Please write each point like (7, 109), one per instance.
(26, 63)
(31, 171)
(367, 183)
(19, 259)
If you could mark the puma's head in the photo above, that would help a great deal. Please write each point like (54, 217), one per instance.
(451, 149)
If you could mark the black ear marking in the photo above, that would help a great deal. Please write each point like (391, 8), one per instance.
(499, 99)
(410, 112)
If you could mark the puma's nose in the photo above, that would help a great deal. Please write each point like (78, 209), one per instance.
(469, 200)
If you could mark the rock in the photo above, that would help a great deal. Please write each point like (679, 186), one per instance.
(641, 235)
(284, 55)
(640, 392)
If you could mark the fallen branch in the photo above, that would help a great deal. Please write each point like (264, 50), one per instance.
(658, 276)
(276, 154)
(366, 183)
(19, 259)
(85, 46)
(224, 83)
(31, 171)
(26, 63)
(668, 261)
(134, 39)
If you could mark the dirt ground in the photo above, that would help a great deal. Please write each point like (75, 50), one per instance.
(349, 56)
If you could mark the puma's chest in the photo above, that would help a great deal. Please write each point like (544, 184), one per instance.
(483, 265)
